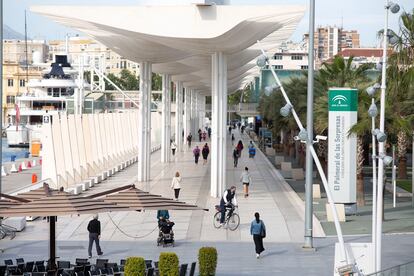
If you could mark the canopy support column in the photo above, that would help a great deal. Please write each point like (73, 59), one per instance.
(179, 116)
(219, 118)
(187, 115)
(166, 119)
(144, 122)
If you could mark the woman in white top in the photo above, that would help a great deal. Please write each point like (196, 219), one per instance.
(173, 148)
(246, 179)
(176, 184)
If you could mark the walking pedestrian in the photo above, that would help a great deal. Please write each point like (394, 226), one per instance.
(173, 148)
(252, 150)
(205, 152)
(196, 152)
(94, 229)
(200, 135)
(258, 231)
(240, 147)
(235, 157)
(232, 139)
(189, 138)
(176, 185)
(209, 132)
(229, 129)
(204, 136)
(245, 180)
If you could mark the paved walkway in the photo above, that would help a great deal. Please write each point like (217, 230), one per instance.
(267, 196)
(134, 233)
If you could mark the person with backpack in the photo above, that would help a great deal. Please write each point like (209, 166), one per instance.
(258, 231)
(205, 152)
(235, 157)
(196, 153)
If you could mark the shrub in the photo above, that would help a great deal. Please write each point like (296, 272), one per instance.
(135, 266)
(207, 259)
(168, 264)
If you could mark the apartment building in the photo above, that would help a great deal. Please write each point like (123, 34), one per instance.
(91, 50)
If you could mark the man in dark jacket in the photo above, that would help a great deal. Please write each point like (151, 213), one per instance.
(94, 228)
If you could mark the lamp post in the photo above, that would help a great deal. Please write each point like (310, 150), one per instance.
(394, 8)
(286, 111)
(308, 242)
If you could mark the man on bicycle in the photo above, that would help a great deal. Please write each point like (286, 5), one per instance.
(228, 200)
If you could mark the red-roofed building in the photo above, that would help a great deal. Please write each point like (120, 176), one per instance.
(363, 55)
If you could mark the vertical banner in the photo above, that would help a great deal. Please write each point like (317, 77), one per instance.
(342, 147)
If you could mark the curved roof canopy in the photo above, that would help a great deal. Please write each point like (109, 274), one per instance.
(179, 40)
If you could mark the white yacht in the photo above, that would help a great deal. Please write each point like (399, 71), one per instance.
(46, 95)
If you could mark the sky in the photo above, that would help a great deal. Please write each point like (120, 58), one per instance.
(365, 16)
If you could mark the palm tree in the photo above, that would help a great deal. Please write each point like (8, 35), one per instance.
(400, 80)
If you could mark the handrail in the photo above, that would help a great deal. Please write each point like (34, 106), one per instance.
(381, 272)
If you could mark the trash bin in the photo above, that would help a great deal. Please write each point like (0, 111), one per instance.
(12, 158)
(26, 154)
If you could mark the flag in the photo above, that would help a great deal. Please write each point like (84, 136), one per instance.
(16, 107)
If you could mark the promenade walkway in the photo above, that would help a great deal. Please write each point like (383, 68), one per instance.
(134, 233)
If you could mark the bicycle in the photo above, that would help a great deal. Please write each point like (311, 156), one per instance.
(232, 219)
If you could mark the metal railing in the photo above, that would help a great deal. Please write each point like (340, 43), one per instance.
(400, 270)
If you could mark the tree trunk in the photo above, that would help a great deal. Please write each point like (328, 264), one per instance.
(360, 190)
(402, 168)
(402, 143)
(360, 173)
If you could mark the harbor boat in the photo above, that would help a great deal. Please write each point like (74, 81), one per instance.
(44, 96)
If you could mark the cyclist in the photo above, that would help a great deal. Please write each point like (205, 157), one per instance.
(228, 200)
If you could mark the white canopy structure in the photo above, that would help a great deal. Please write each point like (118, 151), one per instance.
(205, 49)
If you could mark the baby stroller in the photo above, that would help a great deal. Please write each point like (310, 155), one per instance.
(166, 233)
(252, 152)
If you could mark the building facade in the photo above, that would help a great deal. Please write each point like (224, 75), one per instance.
(91, 50)
(290, 56)
(329, 41)
(14, 50)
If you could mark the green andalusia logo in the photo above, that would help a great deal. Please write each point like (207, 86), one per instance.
(339, 101)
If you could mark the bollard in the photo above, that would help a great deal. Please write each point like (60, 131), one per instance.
(40, 161)
(20, 168)
(13, 168)
(34, 163)
(29, 165)
(12, 158)
(34, 178)
(3, 171)
(24, 166)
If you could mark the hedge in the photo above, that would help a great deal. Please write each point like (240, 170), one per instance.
(168, 264)
(207, 259)
(135, 266)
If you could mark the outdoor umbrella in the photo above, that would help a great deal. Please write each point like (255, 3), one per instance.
(57, 203)
(136, 199)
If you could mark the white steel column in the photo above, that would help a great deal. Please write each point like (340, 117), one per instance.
(201, 111)
(179, 115)
(144, 122)
(166, 119)
(192, 114)
(187, 114)
(219, 114)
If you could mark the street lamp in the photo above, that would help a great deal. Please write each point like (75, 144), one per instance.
(269, 89)
(285, 110)
(394, 8)
(261, 61)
